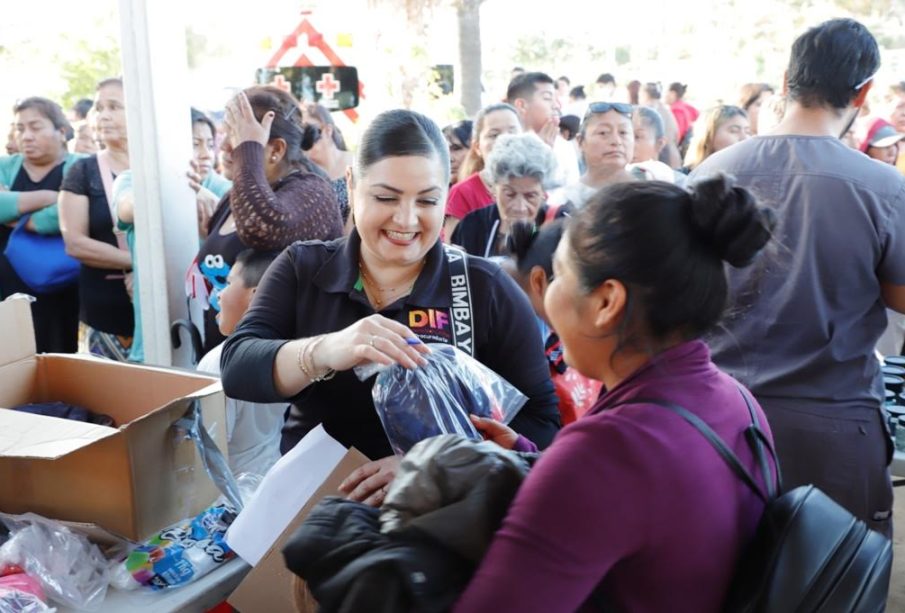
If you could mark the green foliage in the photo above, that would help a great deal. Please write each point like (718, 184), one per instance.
(536, 50)
(84, 64)
(540, 52)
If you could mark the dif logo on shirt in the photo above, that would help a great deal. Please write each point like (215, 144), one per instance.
(431, 325)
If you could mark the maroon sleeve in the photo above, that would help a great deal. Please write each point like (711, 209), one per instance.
(564, 530)
(302, 208)
(524, 445)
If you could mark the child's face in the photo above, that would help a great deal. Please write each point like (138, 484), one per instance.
(887, 155)
(234, 301)
(534, 284)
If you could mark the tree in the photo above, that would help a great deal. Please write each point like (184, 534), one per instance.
(86, 62)
(537, 51)
(409, 49)
(469, 21)
(418, 13)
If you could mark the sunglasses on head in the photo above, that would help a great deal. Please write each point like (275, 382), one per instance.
(605, 107)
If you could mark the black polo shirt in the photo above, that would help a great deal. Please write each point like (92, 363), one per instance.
(478, 233)
(313, 288)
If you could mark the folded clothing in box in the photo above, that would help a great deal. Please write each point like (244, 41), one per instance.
(64, 410)
(131, 480)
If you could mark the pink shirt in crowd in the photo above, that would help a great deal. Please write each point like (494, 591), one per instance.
(467, 196)
(685, 115)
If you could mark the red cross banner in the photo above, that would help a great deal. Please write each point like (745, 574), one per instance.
(335, 85)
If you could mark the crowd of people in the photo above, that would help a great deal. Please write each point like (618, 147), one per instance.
(621, 246)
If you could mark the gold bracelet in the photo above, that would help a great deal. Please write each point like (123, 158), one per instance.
(329, 373)
(300, 361)
(308, 357)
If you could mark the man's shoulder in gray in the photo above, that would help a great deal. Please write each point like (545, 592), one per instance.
(807, 158)
(804, 319)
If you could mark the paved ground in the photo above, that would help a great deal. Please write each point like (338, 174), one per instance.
(896, 603)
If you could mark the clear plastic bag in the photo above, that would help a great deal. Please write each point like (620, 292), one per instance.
(185, 551)
(71, 570)
(415, 404)
(22, 594)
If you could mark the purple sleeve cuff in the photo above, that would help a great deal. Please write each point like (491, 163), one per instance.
(523, 444)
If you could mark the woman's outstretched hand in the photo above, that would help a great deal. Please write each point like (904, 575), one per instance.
(492, 430)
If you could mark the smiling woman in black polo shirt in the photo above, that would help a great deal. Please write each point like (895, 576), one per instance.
(366, 297)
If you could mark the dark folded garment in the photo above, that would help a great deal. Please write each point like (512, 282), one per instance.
(350, 566)
(66, 411)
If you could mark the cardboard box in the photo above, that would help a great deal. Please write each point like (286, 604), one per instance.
(132, 479)
(270, 586)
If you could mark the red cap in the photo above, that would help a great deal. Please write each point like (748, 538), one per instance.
(880, 134)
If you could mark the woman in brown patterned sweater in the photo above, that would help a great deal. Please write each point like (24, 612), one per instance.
(276, 199)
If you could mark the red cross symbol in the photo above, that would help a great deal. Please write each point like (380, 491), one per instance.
(327, 86)
(282, 83)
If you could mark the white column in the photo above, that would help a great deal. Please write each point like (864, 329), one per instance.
(160, 147)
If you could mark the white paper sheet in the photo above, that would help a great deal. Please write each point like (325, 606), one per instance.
(284, 491)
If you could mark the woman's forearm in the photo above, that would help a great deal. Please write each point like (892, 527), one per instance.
(97, 254)
(30, 202)
(288, 377)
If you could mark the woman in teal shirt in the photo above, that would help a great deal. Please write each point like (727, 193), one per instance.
(30, 182)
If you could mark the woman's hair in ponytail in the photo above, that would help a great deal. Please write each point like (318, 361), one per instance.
(529, 245)
(667, 246)
(310, 135)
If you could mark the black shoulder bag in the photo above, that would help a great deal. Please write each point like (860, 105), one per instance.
(808, 553)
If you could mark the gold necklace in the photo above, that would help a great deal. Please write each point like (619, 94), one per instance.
(370, 292)
(372, 289)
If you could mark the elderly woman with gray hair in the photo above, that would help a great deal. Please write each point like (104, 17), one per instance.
(521, 166)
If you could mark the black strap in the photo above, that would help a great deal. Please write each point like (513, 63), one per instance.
(713, 438)
(461, 312)
(757, 440)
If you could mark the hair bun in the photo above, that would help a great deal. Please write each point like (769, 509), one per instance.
(310, 135)
(729, 219)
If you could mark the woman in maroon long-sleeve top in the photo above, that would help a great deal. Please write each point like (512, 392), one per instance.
(277, 196)
(631, 508)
